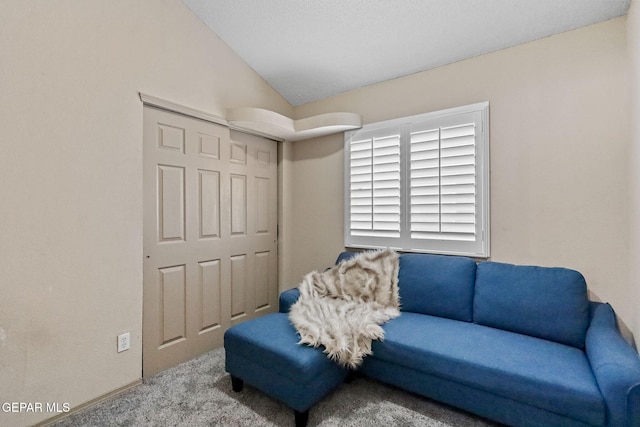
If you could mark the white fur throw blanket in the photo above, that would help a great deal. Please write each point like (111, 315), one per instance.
(343, 307)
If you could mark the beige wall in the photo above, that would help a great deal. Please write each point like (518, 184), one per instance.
(560, 143)
(71, 180)
(633, 23)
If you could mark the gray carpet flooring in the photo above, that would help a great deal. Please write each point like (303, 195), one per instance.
(198, 393)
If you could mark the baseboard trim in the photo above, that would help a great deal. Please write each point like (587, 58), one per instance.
(89, 404)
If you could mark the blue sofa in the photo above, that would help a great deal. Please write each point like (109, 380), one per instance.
(521, 345)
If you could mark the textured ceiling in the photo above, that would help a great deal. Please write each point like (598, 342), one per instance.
(312, 49)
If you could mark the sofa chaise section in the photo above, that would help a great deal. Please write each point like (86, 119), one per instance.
(264, 353)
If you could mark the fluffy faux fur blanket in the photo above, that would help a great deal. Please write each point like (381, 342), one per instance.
(343, 307)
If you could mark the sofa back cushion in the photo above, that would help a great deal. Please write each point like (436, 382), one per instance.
(437, 285)
(345, 256)
(543, 302)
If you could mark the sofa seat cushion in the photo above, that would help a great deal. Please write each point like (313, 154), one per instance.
(544, 374)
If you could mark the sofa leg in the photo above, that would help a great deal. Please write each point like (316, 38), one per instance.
(351, 375)
(236, 384)
(302, 418)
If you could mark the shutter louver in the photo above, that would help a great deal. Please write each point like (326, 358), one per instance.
(375, 187)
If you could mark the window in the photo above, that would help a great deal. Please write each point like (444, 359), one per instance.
(420, 183)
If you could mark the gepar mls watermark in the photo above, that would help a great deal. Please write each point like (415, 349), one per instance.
(27, 407)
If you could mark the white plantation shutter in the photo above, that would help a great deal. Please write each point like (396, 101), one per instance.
(374, 190)
(442, 184)
(420, 183)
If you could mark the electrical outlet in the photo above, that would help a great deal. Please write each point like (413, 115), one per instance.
(123, 342)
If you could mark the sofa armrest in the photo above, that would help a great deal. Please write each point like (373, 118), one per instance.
(616, 366)
(287, 298)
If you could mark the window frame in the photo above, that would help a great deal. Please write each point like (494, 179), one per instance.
(477, 248)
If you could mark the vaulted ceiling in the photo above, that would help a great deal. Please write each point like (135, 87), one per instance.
(312, 49)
